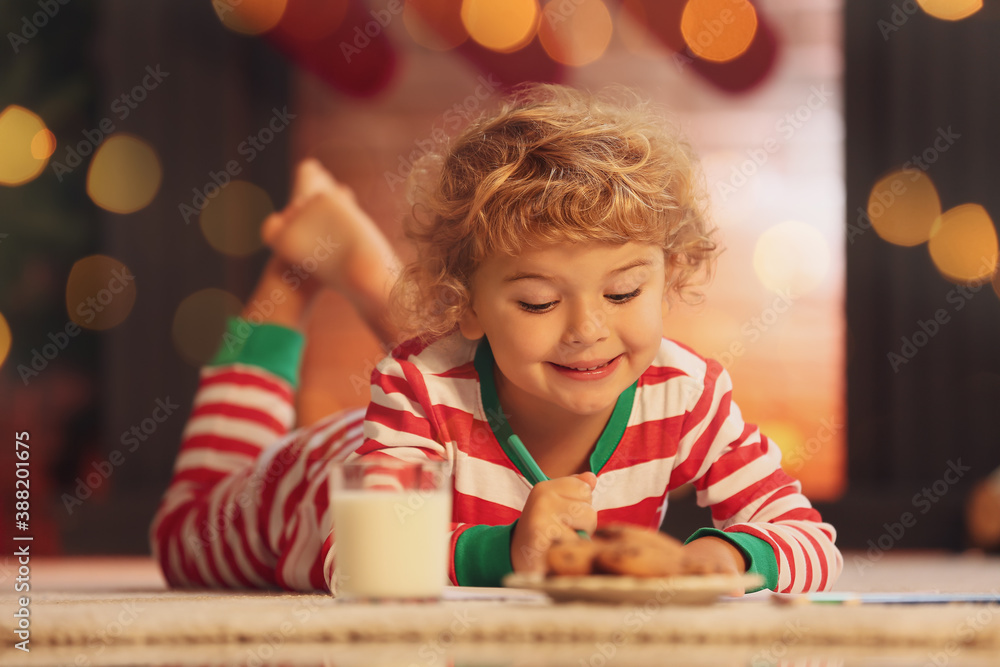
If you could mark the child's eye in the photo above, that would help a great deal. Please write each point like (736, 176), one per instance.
(536, 307)
(622, 298)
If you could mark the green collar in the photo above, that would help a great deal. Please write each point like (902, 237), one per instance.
(606, 444)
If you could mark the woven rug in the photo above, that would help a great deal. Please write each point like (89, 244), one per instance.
(109, 627)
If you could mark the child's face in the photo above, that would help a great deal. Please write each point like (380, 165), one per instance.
(548, 312)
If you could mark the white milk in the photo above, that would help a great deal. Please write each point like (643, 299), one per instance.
(391, 544)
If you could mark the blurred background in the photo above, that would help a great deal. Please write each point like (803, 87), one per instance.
(848, 147)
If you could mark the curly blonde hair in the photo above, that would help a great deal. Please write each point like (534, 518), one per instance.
(551, 165)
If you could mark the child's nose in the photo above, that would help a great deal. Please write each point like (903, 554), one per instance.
(588, 325)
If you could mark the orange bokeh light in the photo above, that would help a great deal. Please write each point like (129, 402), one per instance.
(903, 206)
(575, 34)
(5, 339)
(951, 10)
(232, 219)
(963, 244)
(100, 292)
(501, 25)
(22, 153)
(718, 30)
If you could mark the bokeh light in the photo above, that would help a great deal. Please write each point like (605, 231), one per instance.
(231, 220)
(43, 144)
(5, 339)
(575, 33)
(311, 20)
(21, 158)
(963, 244)
(791, 257)
(200, 322)
(435, 24)
(718, 30)
(951, 10)
(124, 175)
(501, 25)
(100, 292)
(903, 206)
(249, 17)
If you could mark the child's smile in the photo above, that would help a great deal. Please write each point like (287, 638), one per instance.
(571, 326)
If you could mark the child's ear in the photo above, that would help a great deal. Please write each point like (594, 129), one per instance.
(469, 324)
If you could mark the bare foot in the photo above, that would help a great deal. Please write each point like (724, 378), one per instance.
(323, 232)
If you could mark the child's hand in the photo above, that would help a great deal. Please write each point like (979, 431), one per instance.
(713, 555)
(555, 510)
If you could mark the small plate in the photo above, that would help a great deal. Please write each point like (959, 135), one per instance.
(688, 589)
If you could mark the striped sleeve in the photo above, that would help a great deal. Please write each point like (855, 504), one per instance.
(737, 473)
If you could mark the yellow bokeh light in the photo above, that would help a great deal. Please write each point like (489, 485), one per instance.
(124, 174)
(5, 339)
(20, 160)
(200, 322)
(903, 206)
(100, 292)
(43, 144)
(791, 257)
(231, 220)
(501, 25)
(575, 34)
(435, 24)
(951, 10)
(718, 30)
(249, 17)
(963, 244)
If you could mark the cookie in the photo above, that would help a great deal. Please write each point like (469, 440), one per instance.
(617, 549)
(571, 557)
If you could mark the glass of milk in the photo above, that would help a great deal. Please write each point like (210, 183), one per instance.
(391, 524)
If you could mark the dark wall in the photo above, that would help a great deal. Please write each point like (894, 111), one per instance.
(911, 80)
(219, 88)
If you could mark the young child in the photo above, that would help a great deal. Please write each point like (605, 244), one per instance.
(550, 237)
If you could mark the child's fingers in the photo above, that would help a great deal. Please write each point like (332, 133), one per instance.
(588, 477)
